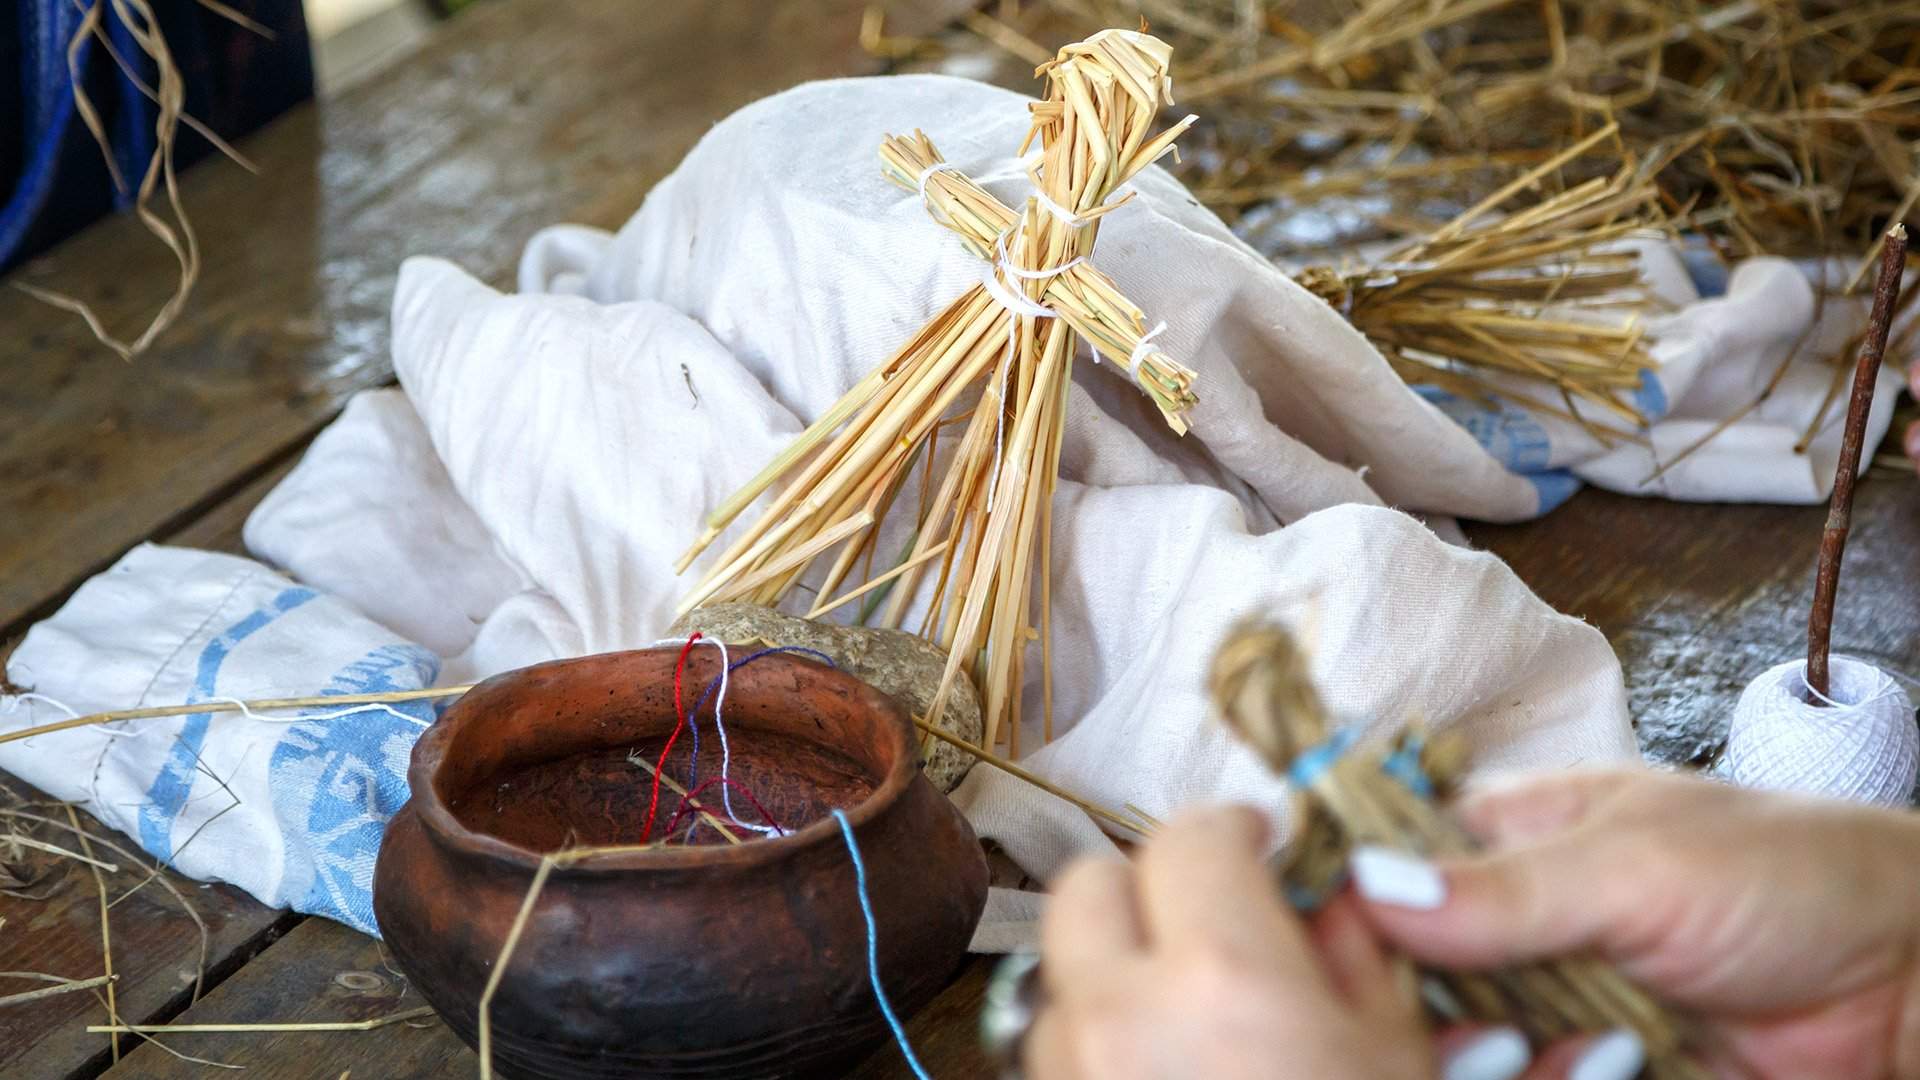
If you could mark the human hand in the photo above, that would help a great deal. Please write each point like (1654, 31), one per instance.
(1788, 927)
(1186, 963)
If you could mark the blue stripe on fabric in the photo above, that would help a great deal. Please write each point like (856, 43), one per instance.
(1515, 439)
(174, 783)
(1650, 397)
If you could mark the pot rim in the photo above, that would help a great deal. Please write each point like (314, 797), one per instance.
(430, 749)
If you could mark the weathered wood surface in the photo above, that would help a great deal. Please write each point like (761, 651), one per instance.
(53, 927)
(1698, 598)
(321, 972)
(517, 116)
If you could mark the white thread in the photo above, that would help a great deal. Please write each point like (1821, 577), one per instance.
(1016, 300)
(372, 706)
(1066, 216)
(926, 174)
(1011, 299)
(1142, 350)
(14, 700)
(939, 214)
(1005, 263)
(720, 725)
(1862, 745)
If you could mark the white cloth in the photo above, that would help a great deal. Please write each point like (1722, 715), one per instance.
(290, 812)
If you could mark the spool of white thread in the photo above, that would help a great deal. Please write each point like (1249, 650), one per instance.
(1864, 747)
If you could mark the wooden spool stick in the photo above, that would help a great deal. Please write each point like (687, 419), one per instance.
(1833, 542)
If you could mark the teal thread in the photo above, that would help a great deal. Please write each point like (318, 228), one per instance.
(873, 946)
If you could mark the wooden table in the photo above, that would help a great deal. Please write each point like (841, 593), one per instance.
(518, 115)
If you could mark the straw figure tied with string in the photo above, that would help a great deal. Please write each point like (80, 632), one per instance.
(1352, 793)
(1012, 338)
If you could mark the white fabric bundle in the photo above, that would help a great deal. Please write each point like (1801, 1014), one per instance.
(579, 432)
(1862, 744)
(291, 812)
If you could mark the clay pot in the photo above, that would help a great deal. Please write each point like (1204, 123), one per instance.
(697, 960)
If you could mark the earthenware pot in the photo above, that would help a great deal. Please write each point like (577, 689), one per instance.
(694, 960)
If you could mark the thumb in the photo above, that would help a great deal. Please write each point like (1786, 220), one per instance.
(1498, 909)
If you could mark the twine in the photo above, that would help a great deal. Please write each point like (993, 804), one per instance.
(692, 721)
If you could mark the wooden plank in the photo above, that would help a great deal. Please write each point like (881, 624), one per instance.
(1698, 598)
(320, 972)
(317, 972)
(52, 926)
(514, 117)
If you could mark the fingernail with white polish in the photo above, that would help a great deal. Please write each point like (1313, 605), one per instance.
(1386, 876)
(1617, 1055)
(1500, 1054)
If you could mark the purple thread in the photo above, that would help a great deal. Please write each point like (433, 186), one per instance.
(693, 768)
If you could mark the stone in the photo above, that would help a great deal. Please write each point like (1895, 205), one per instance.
(903, 665)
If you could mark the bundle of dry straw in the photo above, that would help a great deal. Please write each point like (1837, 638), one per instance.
(1010, 339)
(1784, 126)
(1544, 292)
(1385, 795)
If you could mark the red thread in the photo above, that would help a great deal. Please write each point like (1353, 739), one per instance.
(680, 714)
(687, 805)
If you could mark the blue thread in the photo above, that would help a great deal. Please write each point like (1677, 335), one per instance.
(1315, 761)
(1404, 765)
(873, 944)
(693, 718)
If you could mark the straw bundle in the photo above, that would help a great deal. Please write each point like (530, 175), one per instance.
(1543, 293)
(1011, 341)
(1351, 794)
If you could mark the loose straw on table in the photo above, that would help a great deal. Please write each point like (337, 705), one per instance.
(66, 986)
(421, 1013)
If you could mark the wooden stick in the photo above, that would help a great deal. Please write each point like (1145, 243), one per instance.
(1833, 542)
(719, 826)
(419, 1013)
